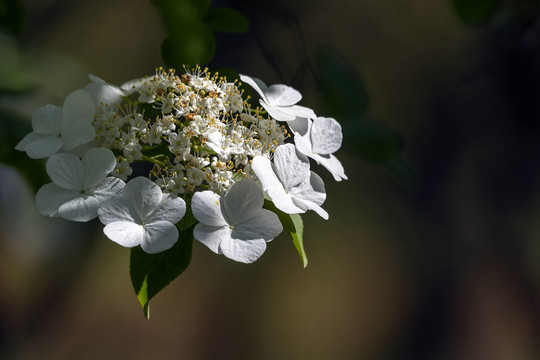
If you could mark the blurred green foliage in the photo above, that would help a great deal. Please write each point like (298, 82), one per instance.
(346, 98)
(226, 20)
(475, 12)
(12, 16)
(16, 77)
(190, 24)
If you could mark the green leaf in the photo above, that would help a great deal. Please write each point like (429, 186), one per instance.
(294, 225)
(12, 16)
(226, 20)
(14, 128)
(342, 88)
(150, 273)
(192, 44)
(475, 12)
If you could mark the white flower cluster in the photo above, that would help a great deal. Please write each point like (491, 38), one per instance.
(209, 152)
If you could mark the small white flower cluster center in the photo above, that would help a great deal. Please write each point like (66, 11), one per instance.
(205, 131)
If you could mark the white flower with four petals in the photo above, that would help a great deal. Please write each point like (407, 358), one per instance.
(143, 215)
(79, 186)
(235, 225)
(56, 128)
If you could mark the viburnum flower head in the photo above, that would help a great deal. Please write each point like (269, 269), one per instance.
(290, 184)
(197, 139)
(279, 100)
(143, 215)
(235, 224)
(56, 128)
(79, 186)
(319, 139)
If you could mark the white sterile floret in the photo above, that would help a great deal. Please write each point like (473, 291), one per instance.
(56, 128)
(79, 186)
(235, 224)
(319, 139)
(143, 215)
(288, 181)
(279, 100)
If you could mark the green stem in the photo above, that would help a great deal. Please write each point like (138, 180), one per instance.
(154, 161)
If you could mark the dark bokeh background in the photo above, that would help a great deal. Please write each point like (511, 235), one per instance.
(443, 263)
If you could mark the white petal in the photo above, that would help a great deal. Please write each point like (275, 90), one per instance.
(50, 197)
(241, 201)
(96, 79)
(77, 133)
(83, 208)
(298, 111)
(39, 146)
(143, 194)
(171, 209)
(30, 137)
(303, 145)
(264, 225)
(282, 95)
(66, 171)
(257, 85)
(117, 209)
(310, 195)
(78, 105)
(211, 236)
(332, 164)
(108, 188)
(159, 236)
(273, 187)
(97, 163)
(131, 86)
(47, 120)
(289, 168)
(102, 92)
(312, 189)
(206, 208)
(277, 113)
(245, 251)
(326, 136)
(311, 206)
(125, 233)
(300, 126)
